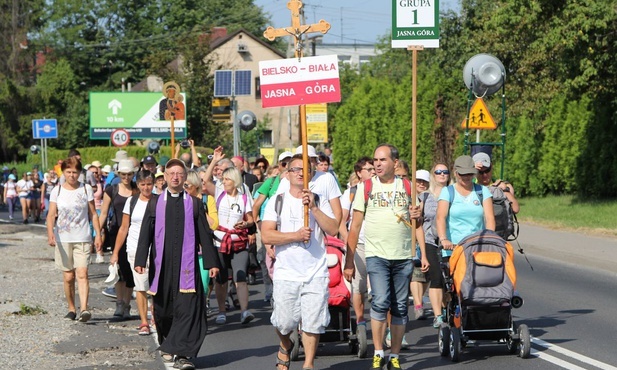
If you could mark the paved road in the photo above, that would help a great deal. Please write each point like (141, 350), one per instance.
(568, 306)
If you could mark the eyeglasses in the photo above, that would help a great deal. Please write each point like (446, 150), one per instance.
(186, 186)
(485, 171)
(370, 169)
(442, 172)
(261, 166)
(296, 169)
(175, 174)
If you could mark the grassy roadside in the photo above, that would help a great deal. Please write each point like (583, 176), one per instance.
(565, 211)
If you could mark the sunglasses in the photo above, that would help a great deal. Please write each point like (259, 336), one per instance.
(295, 169)
(485, 171)
(442, 172)
(186, 186)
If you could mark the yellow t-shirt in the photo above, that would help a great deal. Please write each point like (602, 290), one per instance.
(384, 236)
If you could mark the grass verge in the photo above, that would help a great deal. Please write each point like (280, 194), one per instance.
(567, 211)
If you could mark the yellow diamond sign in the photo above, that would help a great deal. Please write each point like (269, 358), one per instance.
(479, 117)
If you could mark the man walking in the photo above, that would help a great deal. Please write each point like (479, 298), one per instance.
(387, 239)
(301, 273)
(174, 227)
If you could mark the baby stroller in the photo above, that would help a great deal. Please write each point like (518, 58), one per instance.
(341, 328)
(481, 283)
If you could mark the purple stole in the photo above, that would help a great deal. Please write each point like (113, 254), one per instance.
(187, 263)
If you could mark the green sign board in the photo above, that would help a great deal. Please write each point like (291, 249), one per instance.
(142, 114)
(415, 23)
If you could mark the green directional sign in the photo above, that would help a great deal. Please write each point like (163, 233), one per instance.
(415, 23)
(141, 114)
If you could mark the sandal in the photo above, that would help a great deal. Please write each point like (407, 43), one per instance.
(144, 329)
(285, 352)
(167, 357)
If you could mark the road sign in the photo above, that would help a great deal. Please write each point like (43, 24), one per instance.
(45, 128)
(317, 123)
(120, 138)
(143, 115)
(479, 117)
(298, 82)
(415, 23)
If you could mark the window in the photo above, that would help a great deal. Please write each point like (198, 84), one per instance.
(257, 88)
(266, 139)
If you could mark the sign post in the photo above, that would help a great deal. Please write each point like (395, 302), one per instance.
(297, 30)
(44, 129)
(415, 25)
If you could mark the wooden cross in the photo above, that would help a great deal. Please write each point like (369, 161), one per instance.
(296, 30)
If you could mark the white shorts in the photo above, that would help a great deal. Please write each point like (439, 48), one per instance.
(141, 280)
(358, 282)
(294, 301)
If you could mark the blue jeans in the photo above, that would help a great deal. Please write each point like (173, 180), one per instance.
(389, 287)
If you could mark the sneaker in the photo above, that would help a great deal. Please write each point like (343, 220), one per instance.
(252, 280)
(70, 316)
(437, 321)
(99, 259)
(420, 315)
(221, 319)
(26, 222)
(183, 363)
(378, 362)
(387, 340)
(246, 317)
(84, 316)
(404, 344)
(126, 313)
(110, 292)
(119, 309)
(393, 363)
(11, 218)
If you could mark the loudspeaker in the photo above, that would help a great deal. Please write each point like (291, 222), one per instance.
(35, 149)
(247, 120)
(485, 73)
(153, 147)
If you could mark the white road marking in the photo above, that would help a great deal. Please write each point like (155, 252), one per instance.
(568, 353)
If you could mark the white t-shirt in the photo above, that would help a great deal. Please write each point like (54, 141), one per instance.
(299, 261)
(322, 183)
(73, 223)
(231, 211)
(135, 226)
(346, 204)
(24, 186)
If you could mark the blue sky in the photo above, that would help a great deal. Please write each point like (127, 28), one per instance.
(359, 21)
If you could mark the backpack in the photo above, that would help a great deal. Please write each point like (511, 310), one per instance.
(506, 223)
(220, 198)
(278, 207)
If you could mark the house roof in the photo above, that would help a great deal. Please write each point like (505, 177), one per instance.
(222, 40)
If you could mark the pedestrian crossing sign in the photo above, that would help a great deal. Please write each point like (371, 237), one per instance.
(479, 117)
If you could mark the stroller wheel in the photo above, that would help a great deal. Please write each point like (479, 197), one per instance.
(455, 344)
(295, 350)
(512, 343)
(362, 340)
(444, 340)
(524, 345)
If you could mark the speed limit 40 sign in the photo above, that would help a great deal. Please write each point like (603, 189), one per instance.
(120, 137)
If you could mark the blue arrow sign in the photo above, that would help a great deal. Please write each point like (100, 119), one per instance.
(45, 128)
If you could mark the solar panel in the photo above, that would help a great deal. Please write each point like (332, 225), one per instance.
(242, 82)
(222, 83)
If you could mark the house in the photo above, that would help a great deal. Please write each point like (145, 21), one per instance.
(241, 50)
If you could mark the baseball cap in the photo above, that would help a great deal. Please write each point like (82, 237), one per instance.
(28, 173)
(284, 155)
(483, 158)
(158, 174)
(149, 160)
(464, 165)
(423, 175)
(175, 162)
(310, 149)
(164, 160)
(12, 177)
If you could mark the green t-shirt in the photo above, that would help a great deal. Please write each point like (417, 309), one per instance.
(384, 236)
(268, 188)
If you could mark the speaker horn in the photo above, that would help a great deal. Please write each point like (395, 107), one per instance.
(247, 120)
(485, 74)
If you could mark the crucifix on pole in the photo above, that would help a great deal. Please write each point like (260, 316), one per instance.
(297, 30)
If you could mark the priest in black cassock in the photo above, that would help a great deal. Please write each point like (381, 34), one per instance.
(173, 229)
